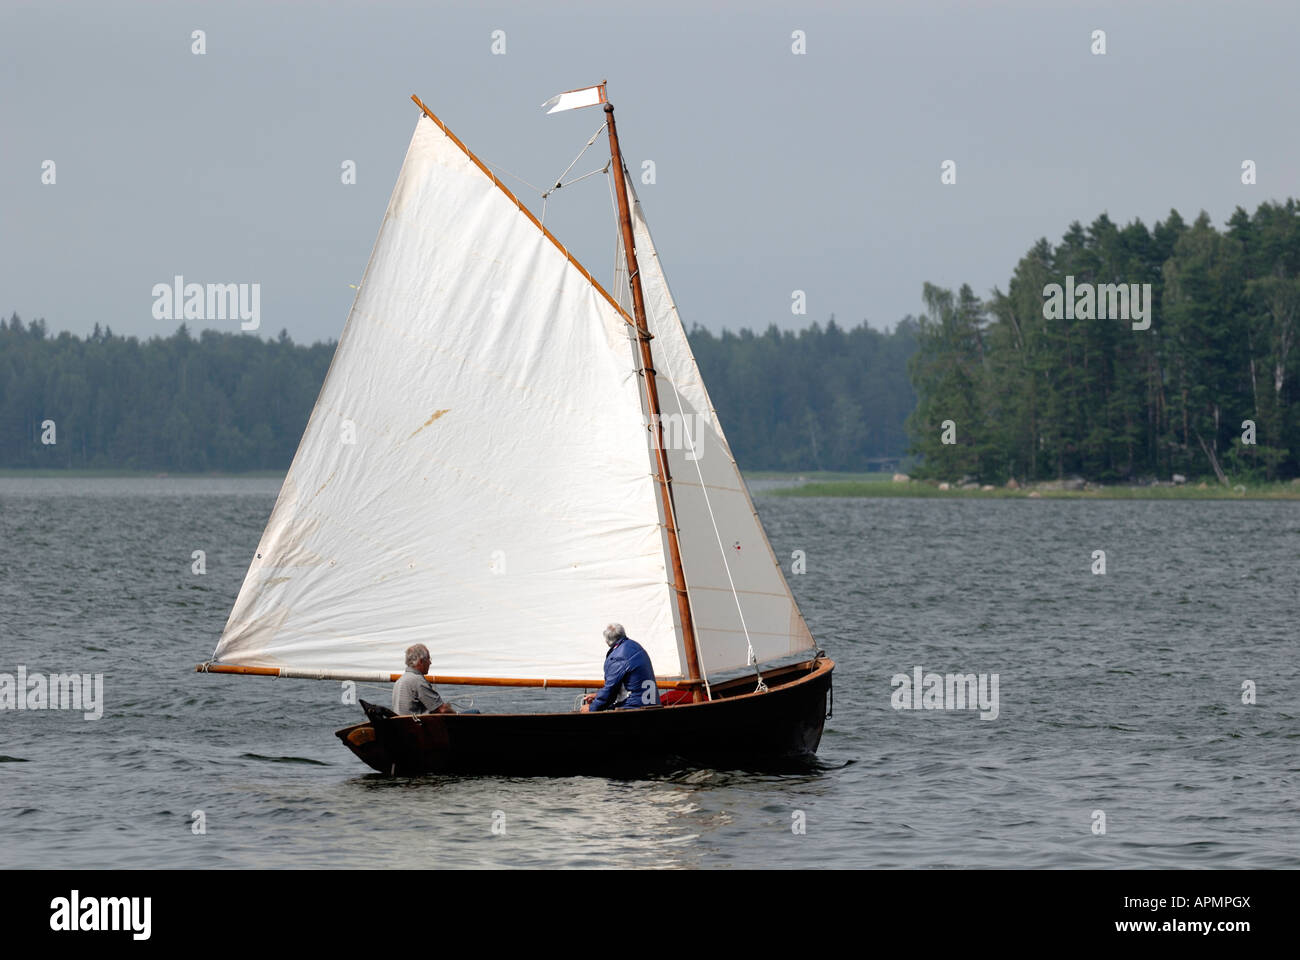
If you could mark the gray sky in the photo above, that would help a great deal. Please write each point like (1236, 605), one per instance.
(775, 171)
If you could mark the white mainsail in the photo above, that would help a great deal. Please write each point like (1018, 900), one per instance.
(738, 594)
(475, 475)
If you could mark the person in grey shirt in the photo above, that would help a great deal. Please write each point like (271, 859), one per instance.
(414, 694)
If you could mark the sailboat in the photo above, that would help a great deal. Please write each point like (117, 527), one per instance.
(503, 458)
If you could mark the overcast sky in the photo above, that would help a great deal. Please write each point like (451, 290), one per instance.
(775, 171)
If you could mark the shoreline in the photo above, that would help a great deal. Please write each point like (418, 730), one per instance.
(41, 473)
(820, 484)
(1053, 490)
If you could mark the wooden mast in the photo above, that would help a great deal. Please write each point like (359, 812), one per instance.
(652, 402)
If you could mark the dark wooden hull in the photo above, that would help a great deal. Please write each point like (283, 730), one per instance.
(777, 729)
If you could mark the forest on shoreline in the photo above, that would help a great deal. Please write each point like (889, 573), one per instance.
(1024, 386)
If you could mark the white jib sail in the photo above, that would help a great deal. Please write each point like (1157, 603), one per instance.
(475, 475)
(723, 544)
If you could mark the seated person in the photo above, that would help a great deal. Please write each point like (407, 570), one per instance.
(629, 677)
(414, 694)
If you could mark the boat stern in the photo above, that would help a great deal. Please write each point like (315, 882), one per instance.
(362, 740)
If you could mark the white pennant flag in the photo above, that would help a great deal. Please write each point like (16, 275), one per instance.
(572, 99)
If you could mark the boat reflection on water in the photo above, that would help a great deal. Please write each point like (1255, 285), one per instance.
(683, 819)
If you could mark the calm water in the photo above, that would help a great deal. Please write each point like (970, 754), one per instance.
(1119, 693)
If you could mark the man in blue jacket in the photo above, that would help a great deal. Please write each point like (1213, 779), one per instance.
(629, 677)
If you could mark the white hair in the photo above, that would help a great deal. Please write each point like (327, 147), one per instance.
(415, 654)
(614, 633)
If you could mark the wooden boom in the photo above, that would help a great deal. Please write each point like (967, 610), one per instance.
(379, 676)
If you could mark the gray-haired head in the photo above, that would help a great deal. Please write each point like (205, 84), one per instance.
(416, 654)
(613, 634)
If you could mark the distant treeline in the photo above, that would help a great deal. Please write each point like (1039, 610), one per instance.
(820, 399)
(825, 398)
(1036, 396)
(221, 402)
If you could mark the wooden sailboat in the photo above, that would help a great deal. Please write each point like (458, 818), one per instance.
(504, 458)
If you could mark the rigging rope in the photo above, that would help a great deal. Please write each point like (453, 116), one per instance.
(603, 169)
(558, 184)
(497, 166)
(544, 194)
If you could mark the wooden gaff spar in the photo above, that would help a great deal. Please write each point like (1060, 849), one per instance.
(492, 469)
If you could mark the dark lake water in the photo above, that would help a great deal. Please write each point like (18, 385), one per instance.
(1119, 693)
